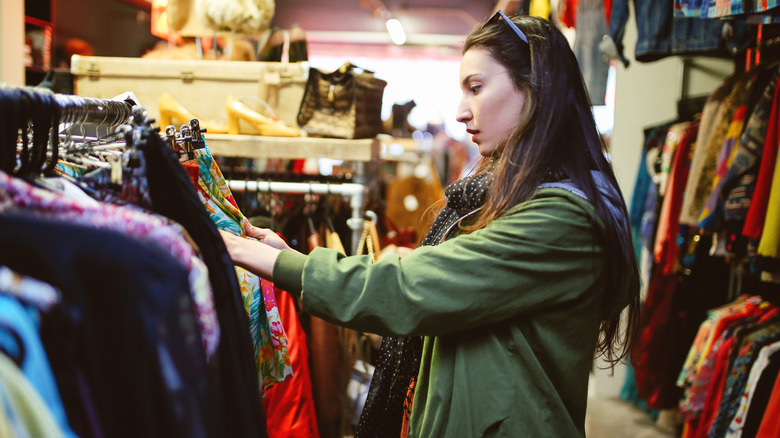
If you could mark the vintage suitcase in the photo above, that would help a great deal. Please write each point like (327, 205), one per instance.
(201, 86)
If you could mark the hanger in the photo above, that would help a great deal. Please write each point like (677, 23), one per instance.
(309, 210)
(8, 131)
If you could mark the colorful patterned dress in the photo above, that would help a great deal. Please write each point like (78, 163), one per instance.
(268, 337)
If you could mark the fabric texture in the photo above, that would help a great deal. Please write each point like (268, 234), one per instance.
(736, 380)
(660, 34)
(22, 401)
(270, 343)
(712, 212)
(705, 156)
(741, 177)
(127, 363)
(15, 316)
(233, 371)
(289, 405)
(745, 399)
(769, 244)
(591, 28)
(770, 425)
(754, 222)
(720, 8)
(150, 228)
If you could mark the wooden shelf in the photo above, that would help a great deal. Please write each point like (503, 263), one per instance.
(258, 146)
(398, 149)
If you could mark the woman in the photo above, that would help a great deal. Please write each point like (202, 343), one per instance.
(532, 263)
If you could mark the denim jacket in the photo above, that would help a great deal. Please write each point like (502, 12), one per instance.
(661, 34)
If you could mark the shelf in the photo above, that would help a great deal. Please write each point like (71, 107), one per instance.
(258, 146)
(399, 149)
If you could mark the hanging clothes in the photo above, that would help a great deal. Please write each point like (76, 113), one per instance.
(289, 406)
(754, 222)
(268, 338)
(770, 425)
(712, 211)
(720, 8)
(24, 412)
(652, 362)
(155, 230)
(331, 348)
(167, 352)
(761, 365)
(704, 162)
(15, 316)
(662, 34)
(93, 337)
(769, 245)
(591, 28)
(741, 178)
(174, 196)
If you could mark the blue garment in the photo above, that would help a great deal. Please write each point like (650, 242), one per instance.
(591, 27)
(709, 8)
(35, 366)
(660, 34)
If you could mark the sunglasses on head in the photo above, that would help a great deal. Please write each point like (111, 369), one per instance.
(512, 25)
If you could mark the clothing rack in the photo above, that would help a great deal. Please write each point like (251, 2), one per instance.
(354, 191)
(75, 109)
(91, 110)
(40, 115)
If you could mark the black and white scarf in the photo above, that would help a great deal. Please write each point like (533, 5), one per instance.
(398, 363)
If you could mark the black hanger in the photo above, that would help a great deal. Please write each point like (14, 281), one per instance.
(7, 141)
(23, 105)
(310, 208)
(54, 136)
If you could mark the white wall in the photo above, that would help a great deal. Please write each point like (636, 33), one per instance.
(12, 42)
(646, 94)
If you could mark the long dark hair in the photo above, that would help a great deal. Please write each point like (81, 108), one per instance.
(556, 137)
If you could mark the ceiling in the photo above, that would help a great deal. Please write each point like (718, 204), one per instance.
(426, 22)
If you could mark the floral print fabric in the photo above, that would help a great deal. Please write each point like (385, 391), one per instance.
(268, 337)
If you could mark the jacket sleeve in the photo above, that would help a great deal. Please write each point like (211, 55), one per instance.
(544, 253)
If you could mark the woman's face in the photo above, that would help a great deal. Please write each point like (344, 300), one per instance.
(491, 104)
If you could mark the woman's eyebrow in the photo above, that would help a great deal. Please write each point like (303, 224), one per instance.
(466, 80)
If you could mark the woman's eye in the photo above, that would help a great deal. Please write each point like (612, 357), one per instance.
(474, 89)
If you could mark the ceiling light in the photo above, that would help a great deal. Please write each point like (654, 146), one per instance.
(396, 31)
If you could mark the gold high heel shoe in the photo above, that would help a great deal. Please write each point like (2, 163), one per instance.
(170, 109)
(264, 125)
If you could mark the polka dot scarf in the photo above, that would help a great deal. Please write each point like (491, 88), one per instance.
(464, 196)
(388, 404)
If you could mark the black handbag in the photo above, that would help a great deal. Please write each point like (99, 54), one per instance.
(346, 103)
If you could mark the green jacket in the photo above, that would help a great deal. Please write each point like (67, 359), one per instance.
(510, 315)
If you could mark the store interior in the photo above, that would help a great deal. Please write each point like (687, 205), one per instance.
(368, 187)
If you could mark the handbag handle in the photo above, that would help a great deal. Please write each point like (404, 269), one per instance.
(350, 66)
(370, 239)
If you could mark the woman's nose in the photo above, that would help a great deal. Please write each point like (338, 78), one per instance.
(464, 113)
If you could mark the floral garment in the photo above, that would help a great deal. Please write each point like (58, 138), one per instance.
(265, 325)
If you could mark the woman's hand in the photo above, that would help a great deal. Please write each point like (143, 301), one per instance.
(254, 256)
(265, 235)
